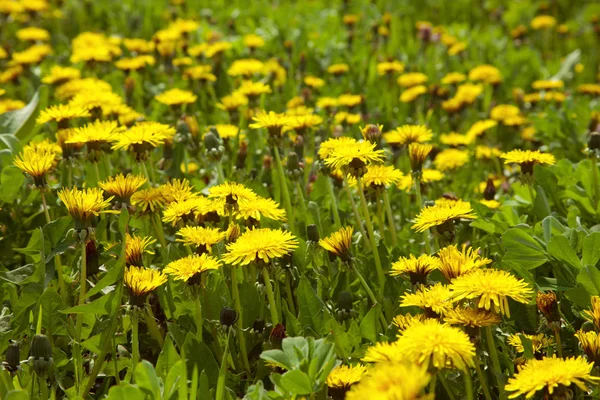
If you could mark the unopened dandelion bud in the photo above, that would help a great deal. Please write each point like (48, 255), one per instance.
(228, 317)
(294, 168)
(490, 190)
(212, 143)
(258, 326)
(242, 154)
(41, 355)
(372, 133)
(92, 258)
(312, 233)
(594, 141)
(12, 357)
(345, 301)
(547, 304)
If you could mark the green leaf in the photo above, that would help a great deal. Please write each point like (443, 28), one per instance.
(111, 276)
(174, 375)
(551, 226)
(11, 180)
(17, 395)
(22, 122)
(200, 355)
(55, 231)
(18, 275)
(278, 358)
(100, 306)
(11, 142)
(523, 249)
(560, 248)
(296, 382)
(589, 277)
(541, 208)
(368, 325)
(591, 249)
(146, 379)
(167, 358)
(311, 307)
(125, 391)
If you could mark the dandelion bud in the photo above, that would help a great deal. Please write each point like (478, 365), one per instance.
(41, 354)
(594, 141)
(233, 233)
(357, 167)
(372, 133)
(258, 326)
(228, 317)
(345, 301)
(91, 257)
(490, 190)
(240, 161)
(294, 168)
(277, 335)
(212, 143)
(547, 304)
(299, 146)
(312, 233)
(418, 153)
(12, 357)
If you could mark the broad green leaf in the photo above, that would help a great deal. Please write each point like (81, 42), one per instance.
(200, 355)
(18, 275)
(551, 226)
(146, 379)
(11, 180)
(541, 208)
(126, 391)
(167, 358)
(560, 248)
(589, 277)
(100, 306)
(296, 382)
(523, 249)
(278, 358)
(591, 249)
(174, 374)
(368, 325)
(112, 275)
(10, 142)
(21, 123)
(17, 395)
(311, 307)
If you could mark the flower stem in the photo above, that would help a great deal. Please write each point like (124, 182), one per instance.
(285, 194)
(446, 387)
(57, 263)
(390, 216)
(145, 171)
(558, 343)
(369, 293)
(270, 297)
(334, 206)
(468, 384)
(220, 173)
(82, 290)
(153, 327)
(97, 172)
(159, 231)
(482, 381)
(135, 343)
(356, 213)
(380, 274)
(495, 360)
(417, 180)
(596, 184)
(288, 292)
(302, 201)
(199, 319)
(220, 395)
(431, 389)
(236, 299)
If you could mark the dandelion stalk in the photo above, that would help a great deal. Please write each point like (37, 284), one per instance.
(378, 266)
(390, 216)
(285, 194)
(417, 179)
(558, 343)
(369, 292)
(238, 307)
(270, 297)
(82, 290)
(159, 231)
(495, 360)
(199, 318)
(334, 206)
(302, 201)
(135, 343)
(355, 211)
(220, 395)
(468, 384)
(220, 174)
(482, 381)
(596, 184)
(57, 263)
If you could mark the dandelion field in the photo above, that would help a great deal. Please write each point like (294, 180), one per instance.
(299, 200)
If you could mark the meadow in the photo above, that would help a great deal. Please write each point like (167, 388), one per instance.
(347, 199)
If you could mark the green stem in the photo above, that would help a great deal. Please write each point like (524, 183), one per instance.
(334, 206)
(495, 360)
(159, 231)
(302, 201)
(97, 172)
(417, 180)
(596, 184)
(220, 173)
(57, 263)
(390, 216)
(431, 389)
(220, 395)
(356, 213)
(558, 343)
(288, 292)
(378, 266)
(270, 297)
(135, 342)
(468, 384)
(369, 293)
(531, 193)
(43, 388)
(236, 299)
(153, 327)
(482, 381)
(446, 386)
(82, 291)
(145, 171)
(380, 217)
(199, 319)
(285, 194)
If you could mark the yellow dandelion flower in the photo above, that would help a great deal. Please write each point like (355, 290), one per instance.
(135, 63)
(253, 41)
(326, 103)
(549, 374)
(383, 383)
(418, 153)
(504, 111)
(253, 89)
(486, 73)
(548, 84)
(539, 342)
(492, 204)
(36, 163)
(451, 159)
(33, 34)
(140, 46)
(260, 207)
(339, 243)
(435, 300)
(176, 190)
(479, 127)
(60, 75)
(344, 376)
(140, 281)
(148, 200)
(143, 137)
(354, 152)
(527, 159)
(94, 134)
(338, 69)
(438, 215)
(231, 192)
(388, 67)
(404, 321)
(190, 269)
(180, 211)
(272, 121)
(246, 67)
(412, 93)
(455, 139)
(593, 315)
(232, 102)
(202, 238)
(454, 262)
(84, 204)
(411, 79)
(428, 176)
(471, 317)
(457, 48)
(492, 287)
(62, 112)
(381, 176)
(417, 268)
(452, 78)
(543, 22)
(433, 344)
(176, 97)
(256, 245)
(10, 74)
(407, 134)
(485, 152)
(349, 100)
(135, 247)
(585, 88)
(122, 187)
(590, 344)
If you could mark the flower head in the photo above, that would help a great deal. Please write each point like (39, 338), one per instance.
(416, 268)
(148, 200)
(527, 159)
(441, 214)
(412, 93)
(260, 207)
(543, 22)
(62, 112)
(418, 153)
(272, 121)
(539, 342)
(492, 287)
(354, 154)
(454, 262)
(122, 186)
(411, 79)
(60, 75)
(84, 204)
(339, 243)
(256, 245)
(344, 376)
(433, 344)
(450, 159)
(143, 137)
(593, 315)
(379, 176)
(550, 373)
(203, 238)
(471, 317)
(232, 193)
(176, 97)
(189, 269)
(135, 247)
(140, 281)
(407, 134)
(435, 300)
(36, 162)
(590, 344)
(403, 321)
(393, 381)
(486, 73)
